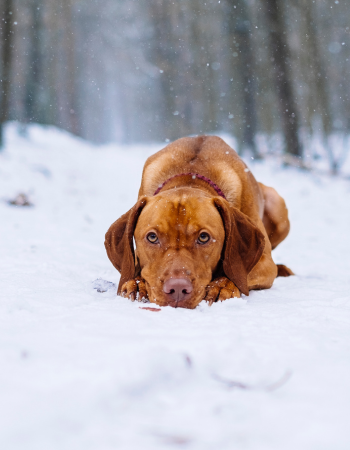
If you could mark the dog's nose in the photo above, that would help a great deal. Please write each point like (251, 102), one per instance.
(177, 289)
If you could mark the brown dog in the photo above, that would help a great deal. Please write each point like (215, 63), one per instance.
(204, 228)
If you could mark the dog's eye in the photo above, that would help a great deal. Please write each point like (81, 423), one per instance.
(152, 238)
(203, 238)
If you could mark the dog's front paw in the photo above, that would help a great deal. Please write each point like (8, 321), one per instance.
(135, 289)
(221, 289)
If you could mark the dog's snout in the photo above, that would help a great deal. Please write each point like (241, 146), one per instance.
(177, 289)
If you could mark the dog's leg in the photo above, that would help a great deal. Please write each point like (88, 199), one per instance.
(263, 274)
(265, 271)
(276, 222)
(221, 289)
(135, 289)
(275, 218)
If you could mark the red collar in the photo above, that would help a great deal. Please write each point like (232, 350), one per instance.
(194, 175)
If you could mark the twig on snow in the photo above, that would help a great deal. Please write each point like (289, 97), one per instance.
(269, 388)
(149, 309)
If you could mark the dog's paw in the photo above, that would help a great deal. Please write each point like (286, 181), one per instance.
(135, 289)
(221, 289)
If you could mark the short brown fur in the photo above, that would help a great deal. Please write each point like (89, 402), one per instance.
(243, 228)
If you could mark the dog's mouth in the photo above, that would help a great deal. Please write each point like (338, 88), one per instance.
(189, 304)
(178, 293)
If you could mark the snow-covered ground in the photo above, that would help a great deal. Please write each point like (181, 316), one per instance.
(83, 370)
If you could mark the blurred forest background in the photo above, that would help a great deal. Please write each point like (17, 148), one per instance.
(265, 71)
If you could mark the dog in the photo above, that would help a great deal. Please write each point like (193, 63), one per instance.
(204, 228)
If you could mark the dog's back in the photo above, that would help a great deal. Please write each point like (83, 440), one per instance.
(211, 157)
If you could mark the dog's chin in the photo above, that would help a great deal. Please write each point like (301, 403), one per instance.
(190, 303)
(187, 304)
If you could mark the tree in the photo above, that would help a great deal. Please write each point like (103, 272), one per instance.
(240, 34)
(283, 78)
(6, 59)
(34, 68)
(70, 67)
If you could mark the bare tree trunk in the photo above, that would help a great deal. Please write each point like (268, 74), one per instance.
(186, 87)
(6, 60)
(70, 68)
(281, 62)
(320, 84)
(201, 93)
(322, 90)
(32, 101)
(165, 58)
(240, 28)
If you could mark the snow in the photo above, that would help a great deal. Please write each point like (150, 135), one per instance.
(81, 369)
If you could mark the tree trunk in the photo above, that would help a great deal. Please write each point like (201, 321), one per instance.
(70, 67)
(165, 58)
(281, 62)
(240, 29)
(321, 87)
(6, 60)
(32, 100)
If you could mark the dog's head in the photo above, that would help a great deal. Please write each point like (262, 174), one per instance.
(182, 241)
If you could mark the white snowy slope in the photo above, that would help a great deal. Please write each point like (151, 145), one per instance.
(83, 370)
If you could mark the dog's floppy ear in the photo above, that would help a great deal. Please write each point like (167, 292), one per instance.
(119, 242)
(244, 244)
